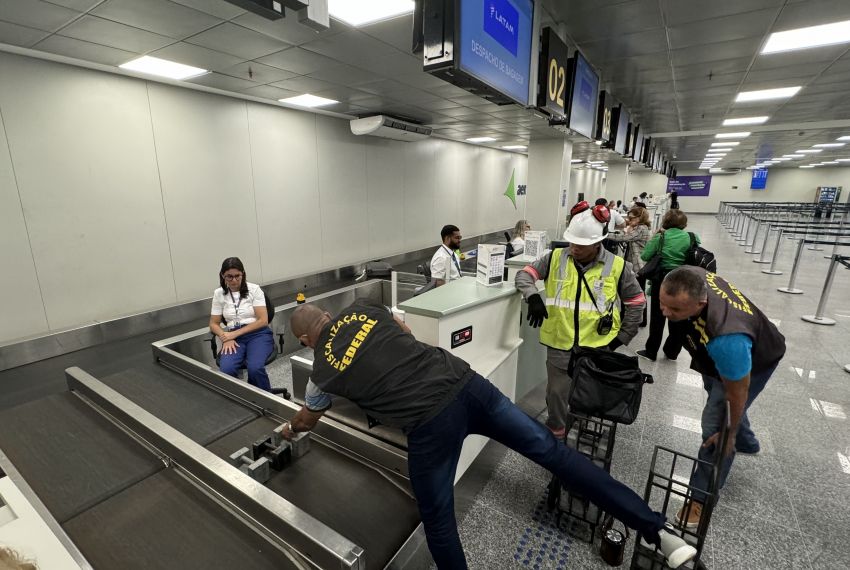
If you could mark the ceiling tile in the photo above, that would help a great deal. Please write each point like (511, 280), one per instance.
(591, 21)
(269, 92)
(239, 41)
(198, 56)
(217, 8)
(86, 51)
(16, 35)
(304, 84)
(352, 47)
(258, 73)
(344, 74)
(78, 5)
(109, 33)
(706, 32)
(420, 79)
(812, 13)
(287, 29)
(398, 32)
(627, 46)
(820, 56)
(225, 82)
(36, 14)
(392, 64)
(298, 60)
(718, 52)
(158, 16)
(677, 12)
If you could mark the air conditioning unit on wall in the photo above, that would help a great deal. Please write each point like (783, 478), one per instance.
(387, 127)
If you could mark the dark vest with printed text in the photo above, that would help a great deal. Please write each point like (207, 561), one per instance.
(728, 312)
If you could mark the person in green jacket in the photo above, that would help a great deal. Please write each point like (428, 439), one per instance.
(674, 248)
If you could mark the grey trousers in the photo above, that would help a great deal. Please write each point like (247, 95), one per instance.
(557, 390)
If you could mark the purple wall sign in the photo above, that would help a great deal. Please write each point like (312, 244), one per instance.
(689, 185)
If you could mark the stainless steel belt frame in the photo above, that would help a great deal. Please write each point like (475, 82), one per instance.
(276, 518)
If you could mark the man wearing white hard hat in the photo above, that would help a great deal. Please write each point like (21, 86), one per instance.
(592, 299)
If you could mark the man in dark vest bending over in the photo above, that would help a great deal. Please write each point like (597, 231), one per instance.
(736, 349)
(367, 356)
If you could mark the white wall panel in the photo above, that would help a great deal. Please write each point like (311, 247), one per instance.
(385, 189)
(286, 185)
(205, 167)
(446, 188)
(342, 193)
(25, 316)
(470, 171)
(84, 157)
(418, 194)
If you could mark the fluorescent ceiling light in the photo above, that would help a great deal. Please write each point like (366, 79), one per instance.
(595, 162)
(727, 143)
(732, 135)
(842, 159)
(704, 168)
(745, 121)
(793, 155)
(804, 38)
(782, 159)
(716, 170)
(828, 145)
(515, 147)
(717, 156)
(806, 166)
(308, 100)
(480, 139)
(809, 151)
(844, 138)
(362, 13)
(576, 161)
(831, 162)
(767, 94)
(162, 68)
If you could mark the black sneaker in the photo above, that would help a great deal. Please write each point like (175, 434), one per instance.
(645, 354)
(748, 449)
(668, 357)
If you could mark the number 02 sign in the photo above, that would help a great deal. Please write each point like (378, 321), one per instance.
(553, 90)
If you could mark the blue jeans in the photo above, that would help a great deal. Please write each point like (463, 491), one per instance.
(712, 420)
(254, 349)
(480, 408)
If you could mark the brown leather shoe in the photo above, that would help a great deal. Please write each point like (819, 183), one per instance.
(689, 515)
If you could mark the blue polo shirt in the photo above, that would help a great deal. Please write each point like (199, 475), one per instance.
(732, 355)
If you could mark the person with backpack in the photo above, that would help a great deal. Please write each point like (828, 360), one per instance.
(241, 307)
(673, 245)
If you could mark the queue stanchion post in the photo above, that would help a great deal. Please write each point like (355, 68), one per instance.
(745, 233)
(847, 368)
(792, 280)
(818, 317)
(772, 270)
(751, 245)
(761, 258)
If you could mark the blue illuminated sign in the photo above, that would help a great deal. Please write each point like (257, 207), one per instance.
(759, 181)
(584, 98)
(495, 44)
(501, 21)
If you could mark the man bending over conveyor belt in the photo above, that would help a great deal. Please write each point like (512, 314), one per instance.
(366, 355)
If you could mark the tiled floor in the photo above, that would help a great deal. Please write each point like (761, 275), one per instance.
(786, 508)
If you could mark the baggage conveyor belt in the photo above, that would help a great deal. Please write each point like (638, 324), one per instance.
(375, 512)
(116, 500)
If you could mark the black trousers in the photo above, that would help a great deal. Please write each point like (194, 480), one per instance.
(673, 345)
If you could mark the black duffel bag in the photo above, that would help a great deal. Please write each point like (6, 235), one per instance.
(606, 384)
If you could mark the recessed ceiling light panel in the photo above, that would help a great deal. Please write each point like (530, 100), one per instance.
(480, 139)
(162, 68)
(308, 100)
(361, 13)
(727, 143)
(745, 121)
(828, 145)
(742, 135)
(767, 94)
(804, 38)
(810, 151)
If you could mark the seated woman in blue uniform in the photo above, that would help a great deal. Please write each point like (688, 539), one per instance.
(239, 319)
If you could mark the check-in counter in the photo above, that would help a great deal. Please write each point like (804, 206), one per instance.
(532, 355)
(477, 323)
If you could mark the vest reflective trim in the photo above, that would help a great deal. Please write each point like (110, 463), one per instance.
(557, 330)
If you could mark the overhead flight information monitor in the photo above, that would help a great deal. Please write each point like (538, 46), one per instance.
(494, 44)
(583, 97)
(759, 181)
(620, 129)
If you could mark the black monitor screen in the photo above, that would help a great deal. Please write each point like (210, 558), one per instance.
(620, 130)
(584, 97)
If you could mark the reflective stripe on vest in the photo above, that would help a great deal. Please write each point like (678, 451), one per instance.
(561, 290)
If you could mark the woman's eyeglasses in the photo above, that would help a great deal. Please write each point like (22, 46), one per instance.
(232, 277)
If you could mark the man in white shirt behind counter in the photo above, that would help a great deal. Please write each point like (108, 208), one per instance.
(445, 265)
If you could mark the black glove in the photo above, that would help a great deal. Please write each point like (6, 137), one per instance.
(615, 344)
(536, 311)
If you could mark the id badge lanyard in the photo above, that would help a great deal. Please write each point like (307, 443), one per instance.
(236, 304)
(454, 259)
